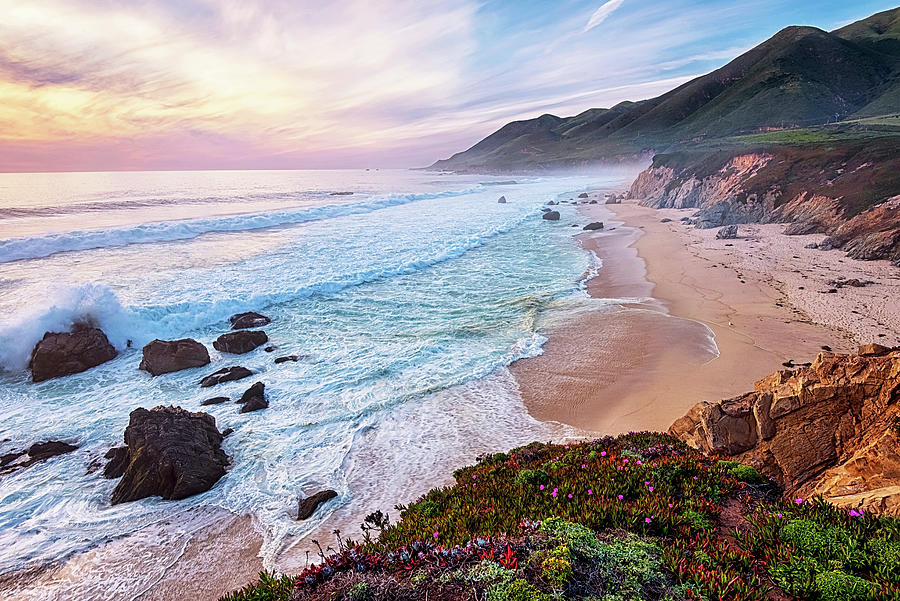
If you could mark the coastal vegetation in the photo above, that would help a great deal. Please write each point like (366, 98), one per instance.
(638, 517)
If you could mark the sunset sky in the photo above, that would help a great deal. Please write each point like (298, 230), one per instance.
(223, 84)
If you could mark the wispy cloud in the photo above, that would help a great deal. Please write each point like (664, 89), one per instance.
(601, 14)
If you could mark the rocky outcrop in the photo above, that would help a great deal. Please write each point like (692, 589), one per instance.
(846, 191)
(171, 453)
(832, 428)
(64, 353)
(551, 215)
(595, 225)
(254, 398)
(36, 453)
(242, 321)
(502, 200)
(166, 356)
(729, 232)
(240, 342)
(306, 507)
(226, 374)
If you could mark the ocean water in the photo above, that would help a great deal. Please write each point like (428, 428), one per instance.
(405, 301)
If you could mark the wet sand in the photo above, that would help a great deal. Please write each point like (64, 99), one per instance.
(642, 361)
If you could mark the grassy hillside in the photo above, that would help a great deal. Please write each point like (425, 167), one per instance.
(801, 77)
(633, 518)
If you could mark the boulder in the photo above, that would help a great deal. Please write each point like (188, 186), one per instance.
(583, 195)
(829, 429)
(242, 321)
(551, 215)
(118, 461)
(254, 398)
(166, 356)
(501, 200)
(240, 342)
(729, 232)
(308, 506)
(812, 245)
(226, 374)
(593, 202)
(216, 400)
(665, 220)
(286, 359)
(171, 453)
(64, 353)
(36, 453)
(596, 225)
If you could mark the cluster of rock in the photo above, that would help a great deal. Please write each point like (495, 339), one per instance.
(832, 428)
(41, 451)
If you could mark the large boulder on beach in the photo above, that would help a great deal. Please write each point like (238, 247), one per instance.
(596, 225)
(171, 453)
(165, 356)
(583, 195)
(502, 200)
(64, 353)
(226, 374)
(240, 342)
(729, 232)
(551, 215)
(242, 321)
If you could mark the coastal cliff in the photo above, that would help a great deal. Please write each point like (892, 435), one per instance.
(848, 191)
(830, 429)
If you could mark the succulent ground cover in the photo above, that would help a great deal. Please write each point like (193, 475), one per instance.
(633, 518)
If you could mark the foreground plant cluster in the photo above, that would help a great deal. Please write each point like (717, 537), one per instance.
(633, 518)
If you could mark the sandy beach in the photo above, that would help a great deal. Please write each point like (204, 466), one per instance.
(642, 361)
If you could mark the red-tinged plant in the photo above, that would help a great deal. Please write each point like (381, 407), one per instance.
(508, 559)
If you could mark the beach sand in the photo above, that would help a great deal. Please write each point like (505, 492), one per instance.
(640, 364)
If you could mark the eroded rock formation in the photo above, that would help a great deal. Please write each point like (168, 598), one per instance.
(832, 428)
(165, 356)
(64, 353)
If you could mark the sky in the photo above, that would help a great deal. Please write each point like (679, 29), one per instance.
(102, 85)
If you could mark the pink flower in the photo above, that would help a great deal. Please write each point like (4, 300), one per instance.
(855, 514)
(624, 461)
(695, 477)
(603, 453)
(646, 483)
(570, 495)
(555, 490)
(639, 462)
(542, 487)
(583, 466)
(650, 489)
(780, 515)
(474, 476)
(671, 506)
(590, 492)
(798, 501)
(620, 468)
(621, 497)
(647, 520)
(553, 494)
(435, 535)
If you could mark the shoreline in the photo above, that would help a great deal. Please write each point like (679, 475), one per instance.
(638, 362)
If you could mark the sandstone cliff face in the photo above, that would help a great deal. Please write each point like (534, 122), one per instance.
(832, 429)
(846, 193)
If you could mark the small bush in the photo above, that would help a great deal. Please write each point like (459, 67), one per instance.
(428, 509)
(797, 577)
(814, 540)
(515, 590)
(489, 571)
(838, 586)
(576, 537)
(359, 592)
(886, 556)
(532, 477)
(739, 471)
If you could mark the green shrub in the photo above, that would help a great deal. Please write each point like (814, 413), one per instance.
(556, 565)
(359, 591)
(515, 590)
(428, 509)
(838, 586)
(628, 566)
(269, 588)
(739, 471)
(532, 477)
(489, 571)
(886, 558)
(579, 539)
(814, 540)
(797, 577)
(696, 520)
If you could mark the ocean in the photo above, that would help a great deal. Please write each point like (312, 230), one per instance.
(405, 301)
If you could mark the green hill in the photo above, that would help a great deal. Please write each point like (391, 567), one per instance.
(801, 77)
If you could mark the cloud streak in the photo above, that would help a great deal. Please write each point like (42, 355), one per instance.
(601, 14)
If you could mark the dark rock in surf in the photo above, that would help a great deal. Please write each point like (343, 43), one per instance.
(171, 453)
(287, 358)
(306, 507)
(551, 216)
(36, 453)
(270, 348)
(242, 321)
(583, 195)
(227, 431)
(254, 398)
(240, 342)
(501, 200)
(596, 225)
(226, 374)
(216, 400)
(64, 353)
(167, 356)
(118, 461)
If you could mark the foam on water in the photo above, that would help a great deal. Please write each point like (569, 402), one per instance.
(407, 304)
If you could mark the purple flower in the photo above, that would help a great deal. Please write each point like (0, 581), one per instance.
(798, 501)
(583, 465)
(620, 468)
(603, 453)
(671, 506)
(542, 487)
(590, 492)
(555, 490)
(436, 535)
(647, 520)
(570, 495)
(780, 515)
(639, 462)
(553, 494)
(474, 476)
(646, 483)
(855, 514)
(624, 461)
(621, 497)
(650, 488)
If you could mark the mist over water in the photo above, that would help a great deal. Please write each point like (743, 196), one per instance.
(406, 300)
